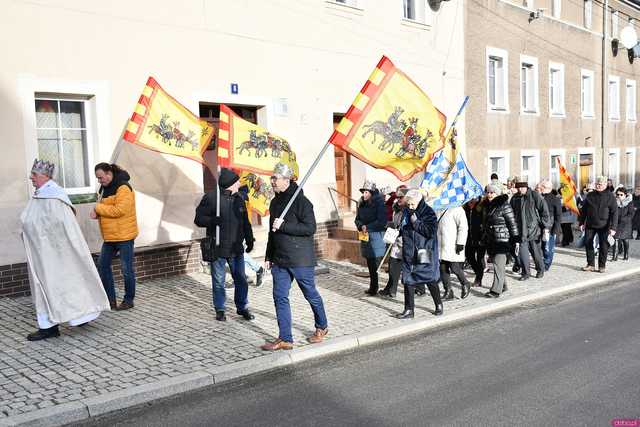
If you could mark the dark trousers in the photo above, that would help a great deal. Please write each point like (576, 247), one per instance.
(409, 295)
(589, 235)
(567, 233)
(372, 265)
(395, 268)
(530, 247)
(475, 256)
(109, 250)
(448, 267)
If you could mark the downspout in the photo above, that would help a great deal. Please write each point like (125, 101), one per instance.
(605, 84)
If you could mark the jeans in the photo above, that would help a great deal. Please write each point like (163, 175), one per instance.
(499, 262)
(305, 276)
(548, 250)
(589, 237)
(241, 288)
(109, 250)
(251, 263)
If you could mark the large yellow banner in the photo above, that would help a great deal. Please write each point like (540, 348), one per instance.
(567, 189)
(260, 191)
(162, 124)
(245, 146)
(392, 124)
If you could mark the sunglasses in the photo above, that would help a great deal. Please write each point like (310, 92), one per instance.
(620, 194)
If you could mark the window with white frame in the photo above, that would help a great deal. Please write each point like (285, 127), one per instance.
(615, 24)
(498, 164)
(62, 134)
(530, 167)
(415, 10)
(352, 3)
(556, 89)
(614, 98)
(556, 8)
(497, 79)
(613, 164)
(586, 93)
(630, 98)
(588, 12)
(528, 84)
(630, 162)
(554, 169)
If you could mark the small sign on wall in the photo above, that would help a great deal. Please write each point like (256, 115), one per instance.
(234, 88)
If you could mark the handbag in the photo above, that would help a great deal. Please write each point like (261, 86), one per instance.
(580, 241)
(207, 250)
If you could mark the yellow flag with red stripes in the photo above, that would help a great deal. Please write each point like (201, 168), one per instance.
(392, 124)
(162, 124)
(260, 191)
(245, 146)
(567, 189)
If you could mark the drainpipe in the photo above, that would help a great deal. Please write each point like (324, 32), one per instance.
(605, 84)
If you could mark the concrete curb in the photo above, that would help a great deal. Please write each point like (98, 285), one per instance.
(100, 405)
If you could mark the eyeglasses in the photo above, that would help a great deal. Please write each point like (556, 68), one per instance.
(620, 195)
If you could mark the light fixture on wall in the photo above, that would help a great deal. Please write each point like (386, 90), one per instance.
(535, 15)
(629, 40)
(435, 4)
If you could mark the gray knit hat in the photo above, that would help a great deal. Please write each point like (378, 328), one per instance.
(494, 188)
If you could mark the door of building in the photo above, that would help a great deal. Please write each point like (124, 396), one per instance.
(343, 171)
(586, 165)
(211, 113)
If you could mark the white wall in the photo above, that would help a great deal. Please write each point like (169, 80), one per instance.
(314, 53)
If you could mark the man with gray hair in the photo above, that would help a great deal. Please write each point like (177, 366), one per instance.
(291, 255)
(554, 205)
(598, 216)
(64, 281)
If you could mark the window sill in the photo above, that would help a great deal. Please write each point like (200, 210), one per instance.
(344, 7)
(79, 199)
(614, 119)
(558, 115)
(529, 113)
(415, 24)
(497, 110)
(589, 116)
(631, 120)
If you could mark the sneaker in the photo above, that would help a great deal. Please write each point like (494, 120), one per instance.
(259, 275)
(318, 335)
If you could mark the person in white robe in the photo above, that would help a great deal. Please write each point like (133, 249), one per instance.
(65, 285)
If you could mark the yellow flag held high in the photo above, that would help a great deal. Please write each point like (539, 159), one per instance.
(567, 189)
(248, 147)
(392, 124)
(260, 191)
(162, 124)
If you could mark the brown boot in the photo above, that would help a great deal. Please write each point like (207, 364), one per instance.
(277, 345)
(318, 335)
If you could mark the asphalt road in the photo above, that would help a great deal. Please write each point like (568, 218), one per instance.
(566, 362)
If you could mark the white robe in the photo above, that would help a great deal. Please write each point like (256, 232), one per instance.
(65, 285)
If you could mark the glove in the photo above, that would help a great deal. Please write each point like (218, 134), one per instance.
(459, 248)
(250, 246)
(516, 239)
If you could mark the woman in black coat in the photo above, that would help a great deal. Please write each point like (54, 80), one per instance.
(624, 230)
(420, 260)
(371, 219)
(500, 231)
(636, 216)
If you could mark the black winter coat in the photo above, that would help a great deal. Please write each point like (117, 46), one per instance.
(599, 210)
(532, 215)
(636, 216)
(554, 205)
(475, 219)
(372, 213)
(625, 219)
(292, 245)
(235, 227)
(416, 235)
(500, 226)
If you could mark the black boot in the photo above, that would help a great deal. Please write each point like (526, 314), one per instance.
(43, 334)
(448, 294)
(220, 316)
(259, 275)
(406, 314)
(439, 310)
(246, 314)
(466, 289)
(614, 256)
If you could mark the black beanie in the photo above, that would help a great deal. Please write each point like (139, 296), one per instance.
(227, 178)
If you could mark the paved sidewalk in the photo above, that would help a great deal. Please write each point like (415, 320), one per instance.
(171, 337)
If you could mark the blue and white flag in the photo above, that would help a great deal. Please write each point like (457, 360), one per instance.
(436, 172)
(454, 189)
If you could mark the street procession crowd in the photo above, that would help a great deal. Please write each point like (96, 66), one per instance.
(508, 225)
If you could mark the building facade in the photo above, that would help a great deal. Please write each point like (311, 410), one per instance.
(74, 70)
(534, 70)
